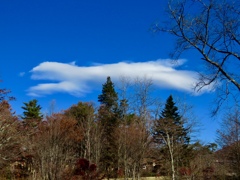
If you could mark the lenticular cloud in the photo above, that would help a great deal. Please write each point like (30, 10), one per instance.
(79, 80)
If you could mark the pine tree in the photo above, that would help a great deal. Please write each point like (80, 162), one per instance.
(171, 113)
(108, 116)
(32, 113)
(169, 133)
(109, 109)
(109, 97)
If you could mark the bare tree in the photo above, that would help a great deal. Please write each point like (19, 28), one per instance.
(189, 118)
(83, 113)
(142, 98)
(210, 27)
(202, 163)
(133, 142)
(168, 138)
(53, 147)
(96, 142)
(52, 107)
(133, 134)
(122, 130)
(9, 135)
(229, 140)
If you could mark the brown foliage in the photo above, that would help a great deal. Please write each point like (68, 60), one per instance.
(84, 170)
(9, 136)
(52, 146)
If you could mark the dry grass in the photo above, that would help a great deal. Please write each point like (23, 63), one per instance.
(147, 178)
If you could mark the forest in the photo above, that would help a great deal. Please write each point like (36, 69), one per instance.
(129, 133)
(122, 137)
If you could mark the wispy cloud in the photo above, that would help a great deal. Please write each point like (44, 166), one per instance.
(21, 74)
(79, 80)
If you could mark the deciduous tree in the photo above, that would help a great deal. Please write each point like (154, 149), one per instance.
(84, 114)
(211, 29)
(53, 147)
(10, 136)
(229, 140)
(202, 161)
(134, 130)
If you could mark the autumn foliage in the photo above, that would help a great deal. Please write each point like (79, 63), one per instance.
(85, 170)
(114, 140)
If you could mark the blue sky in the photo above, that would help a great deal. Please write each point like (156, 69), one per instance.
(64, 50)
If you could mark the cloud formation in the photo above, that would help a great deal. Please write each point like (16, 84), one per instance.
(80, 80)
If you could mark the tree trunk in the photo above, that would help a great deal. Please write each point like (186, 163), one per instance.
(170, 148)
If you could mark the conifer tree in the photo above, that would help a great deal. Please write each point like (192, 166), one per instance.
(32, 112)
(171, 113)
(169, 133)
(109, 97)
(108, 116)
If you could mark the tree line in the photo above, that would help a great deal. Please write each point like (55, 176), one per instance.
(128, 135)
(135, 135)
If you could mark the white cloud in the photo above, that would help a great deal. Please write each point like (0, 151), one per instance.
(79, 80)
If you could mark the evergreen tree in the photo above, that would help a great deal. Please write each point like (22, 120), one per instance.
(169, 133)
(171, 113)
(109, 111)
(108, 116)
(109, 97)
(32, 113)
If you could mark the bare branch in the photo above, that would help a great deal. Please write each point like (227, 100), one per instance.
(211, 28)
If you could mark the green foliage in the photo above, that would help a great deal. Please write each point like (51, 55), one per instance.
(84, 114)
(123, 108)
(171, 111)
(109, 112)
(108, 115)
(32, 112)
(171, 136)
(112, 138)
(109, 97)
(81, 112)
(171, 122)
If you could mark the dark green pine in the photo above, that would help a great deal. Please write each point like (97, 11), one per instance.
(171, 111)
(32, 111)
(109, 97)
(108, 115)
